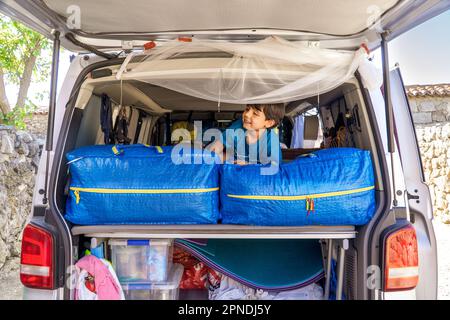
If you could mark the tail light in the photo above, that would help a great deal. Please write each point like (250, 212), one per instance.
(36, 262)
(401, 260)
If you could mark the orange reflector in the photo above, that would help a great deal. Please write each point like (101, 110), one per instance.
(149, 45)
(185, 39)
(402, 260)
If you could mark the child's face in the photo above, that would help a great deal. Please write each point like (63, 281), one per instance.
(254, 119)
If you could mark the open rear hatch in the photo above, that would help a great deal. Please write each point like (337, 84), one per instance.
(111, 25)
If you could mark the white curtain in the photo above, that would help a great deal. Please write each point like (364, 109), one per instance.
(269, 71)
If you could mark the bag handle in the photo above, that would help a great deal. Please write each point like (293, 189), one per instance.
(119, 149)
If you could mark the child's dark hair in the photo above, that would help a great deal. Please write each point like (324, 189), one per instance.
(272, 111)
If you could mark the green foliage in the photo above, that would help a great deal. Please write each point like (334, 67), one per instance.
(18, 115)
(17, 44)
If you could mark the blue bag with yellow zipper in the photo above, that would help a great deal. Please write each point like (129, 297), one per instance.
(139, 184)
(327, 187)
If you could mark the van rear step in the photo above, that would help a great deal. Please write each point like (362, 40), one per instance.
(217, 231)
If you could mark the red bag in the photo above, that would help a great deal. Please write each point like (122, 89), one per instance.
(195, 273)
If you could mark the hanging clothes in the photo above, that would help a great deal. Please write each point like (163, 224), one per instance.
(121, 128)
(297, 132)
(106, 119)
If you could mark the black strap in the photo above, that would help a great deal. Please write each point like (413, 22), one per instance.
(139, 126)
(121, 129)
(168, 131)
(106, 119)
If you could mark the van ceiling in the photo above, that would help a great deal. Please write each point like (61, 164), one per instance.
(165, 98)
(174, 100)
(143, 16)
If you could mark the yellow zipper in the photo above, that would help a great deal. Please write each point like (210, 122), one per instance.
(143, 191)
(77, 196)
(77, 190)
(302, 197)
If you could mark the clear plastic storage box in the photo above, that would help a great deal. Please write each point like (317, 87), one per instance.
(155, 291)
(141, 260)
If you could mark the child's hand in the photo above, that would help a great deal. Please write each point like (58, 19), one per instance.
(240, 162)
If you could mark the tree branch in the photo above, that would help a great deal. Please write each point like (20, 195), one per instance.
(25, 79)
(4, 103)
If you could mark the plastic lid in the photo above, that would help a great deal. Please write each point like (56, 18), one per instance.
(140, 242)
(172, 282)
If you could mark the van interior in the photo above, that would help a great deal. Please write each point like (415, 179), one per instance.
(338, 118)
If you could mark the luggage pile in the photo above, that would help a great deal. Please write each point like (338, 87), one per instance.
(139, 184)
(220, 269)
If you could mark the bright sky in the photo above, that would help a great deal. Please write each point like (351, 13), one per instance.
(423, 54)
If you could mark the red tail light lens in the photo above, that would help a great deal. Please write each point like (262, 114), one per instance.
(401, 260)
(36, 262)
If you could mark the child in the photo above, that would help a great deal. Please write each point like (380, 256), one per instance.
(254, 137)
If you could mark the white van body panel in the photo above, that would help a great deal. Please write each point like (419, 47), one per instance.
(416, 187)
(380, 113)
(40, 294)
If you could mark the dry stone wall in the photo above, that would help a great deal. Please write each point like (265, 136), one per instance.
(19, 158)
(434, 143)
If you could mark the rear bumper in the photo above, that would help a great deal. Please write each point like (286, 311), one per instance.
(39, 294)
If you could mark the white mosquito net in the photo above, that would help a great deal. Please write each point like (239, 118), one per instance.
(269, 71)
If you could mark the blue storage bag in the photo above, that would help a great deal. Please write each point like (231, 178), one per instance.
(138, 184)
(327, 187)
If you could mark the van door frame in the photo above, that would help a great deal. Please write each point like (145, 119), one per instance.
(53, 215)
(367, 253)
(366, 233)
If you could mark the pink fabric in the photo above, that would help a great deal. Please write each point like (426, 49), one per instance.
(106, 286)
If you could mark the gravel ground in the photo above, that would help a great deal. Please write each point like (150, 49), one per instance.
(11, 288)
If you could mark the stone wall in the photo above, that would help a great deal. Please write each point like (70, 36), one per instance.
(434, 143)
(431, 114)
(37, 124)
(430, 109)
(19, 158)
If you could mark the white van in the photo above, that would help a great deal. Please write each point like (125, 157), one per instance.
(110, 38)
